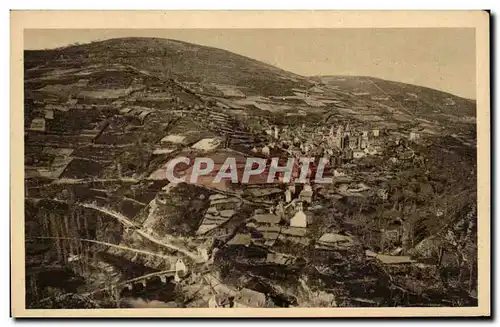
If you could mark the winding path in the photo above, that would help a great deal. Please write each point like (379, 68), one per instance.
(101, 243)
(128, 223)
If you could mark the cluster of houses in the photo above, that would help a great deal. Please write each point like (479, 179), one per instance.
(286, 221)
(342, 143)
(221, 209)
(339, 144)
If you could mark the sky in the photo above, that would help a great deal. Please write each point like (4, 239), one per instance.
(439, 58)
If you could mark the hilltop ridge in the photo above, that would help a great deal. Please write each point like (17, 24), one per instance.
(192, 63)
(181, 60)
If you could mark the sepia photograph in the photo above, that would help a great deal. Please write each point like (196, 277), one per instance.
(183, 167)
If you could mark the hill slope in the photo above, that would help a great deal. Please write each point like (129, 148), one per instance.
(181, 60)
(186, 62)
(418, 99)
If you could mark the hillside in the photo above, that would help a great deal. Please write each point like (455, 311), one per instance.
(253, 85)
(418, 99)
(181, 60)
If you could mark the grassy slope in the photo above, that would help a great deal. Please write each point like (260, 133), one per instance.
(181, 60)
(427, 100)
(195, 63)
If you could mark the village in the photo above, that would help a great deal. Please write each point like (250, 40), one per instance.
(98, 142)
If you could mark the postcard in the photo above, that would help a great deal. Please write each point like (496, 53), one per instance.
(250, 164)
